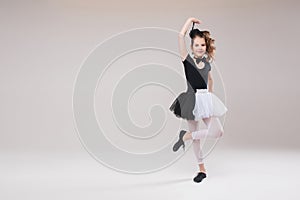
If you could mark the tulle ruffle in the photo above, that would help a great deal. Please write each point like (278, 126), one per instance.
(195, 106)
(207, 104)
(183, 105)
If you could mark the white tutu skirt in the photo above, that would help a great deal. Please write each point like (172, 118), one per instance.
(207, 104)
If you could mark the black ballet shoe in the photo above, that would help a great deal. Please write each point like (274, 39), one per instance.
(200, 176)
(180, 142)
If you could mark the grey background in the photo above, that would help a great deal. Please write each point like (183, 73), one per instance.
(43, 44)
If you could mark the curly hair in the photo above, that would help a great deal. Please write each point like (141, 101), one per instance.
(209, 42)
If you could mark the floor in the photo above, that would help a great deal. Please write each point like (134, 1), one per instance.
(231, 174)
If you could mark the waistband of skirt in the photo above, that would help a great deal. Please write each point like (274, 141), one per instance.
(201, 90)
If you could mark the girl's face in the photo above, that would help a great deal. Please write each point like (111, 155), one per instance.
(198, 47)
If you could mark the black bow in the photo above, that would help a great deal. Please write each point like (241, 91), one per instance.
(199, 59)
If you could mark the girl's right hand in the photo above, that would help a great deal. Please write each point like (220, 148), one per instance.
(193, 19)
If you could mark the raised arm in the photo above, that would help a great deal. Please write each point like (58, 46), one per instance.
(181, 41)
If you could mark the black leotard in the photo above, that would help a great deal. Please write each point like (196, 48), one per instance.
(196, 78)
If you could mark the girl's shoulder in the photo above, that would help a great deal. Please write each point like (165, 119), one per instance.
(187, 59)
(210, 63)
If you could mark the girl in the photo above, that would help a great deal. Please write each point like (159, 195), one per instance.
(199, 101)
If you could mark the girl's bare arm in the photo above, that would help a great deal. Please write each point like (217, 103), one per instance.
(210, 82)
(181, 41)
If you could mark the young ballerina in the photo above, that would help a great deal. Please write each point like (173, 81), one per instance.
(199, 101)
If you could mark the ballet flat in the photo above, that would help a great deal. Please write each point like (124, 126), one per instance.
(200, 176)
(180, 142)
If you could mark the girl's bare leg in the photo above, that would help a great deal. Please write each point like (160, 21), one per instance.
(193, 126)
(214, 131)
(207, 122)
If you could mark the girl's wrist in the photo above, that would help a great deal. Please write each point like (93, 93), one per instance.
(190, 20)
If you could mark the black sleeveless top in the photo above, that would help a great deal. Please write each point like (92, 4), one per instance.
(196, 78)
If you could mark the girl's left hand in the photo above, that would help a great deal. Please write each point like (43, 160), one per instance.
(197, 21)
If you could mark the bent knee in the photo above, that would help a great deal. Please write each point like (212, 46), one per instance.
(221, 132)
